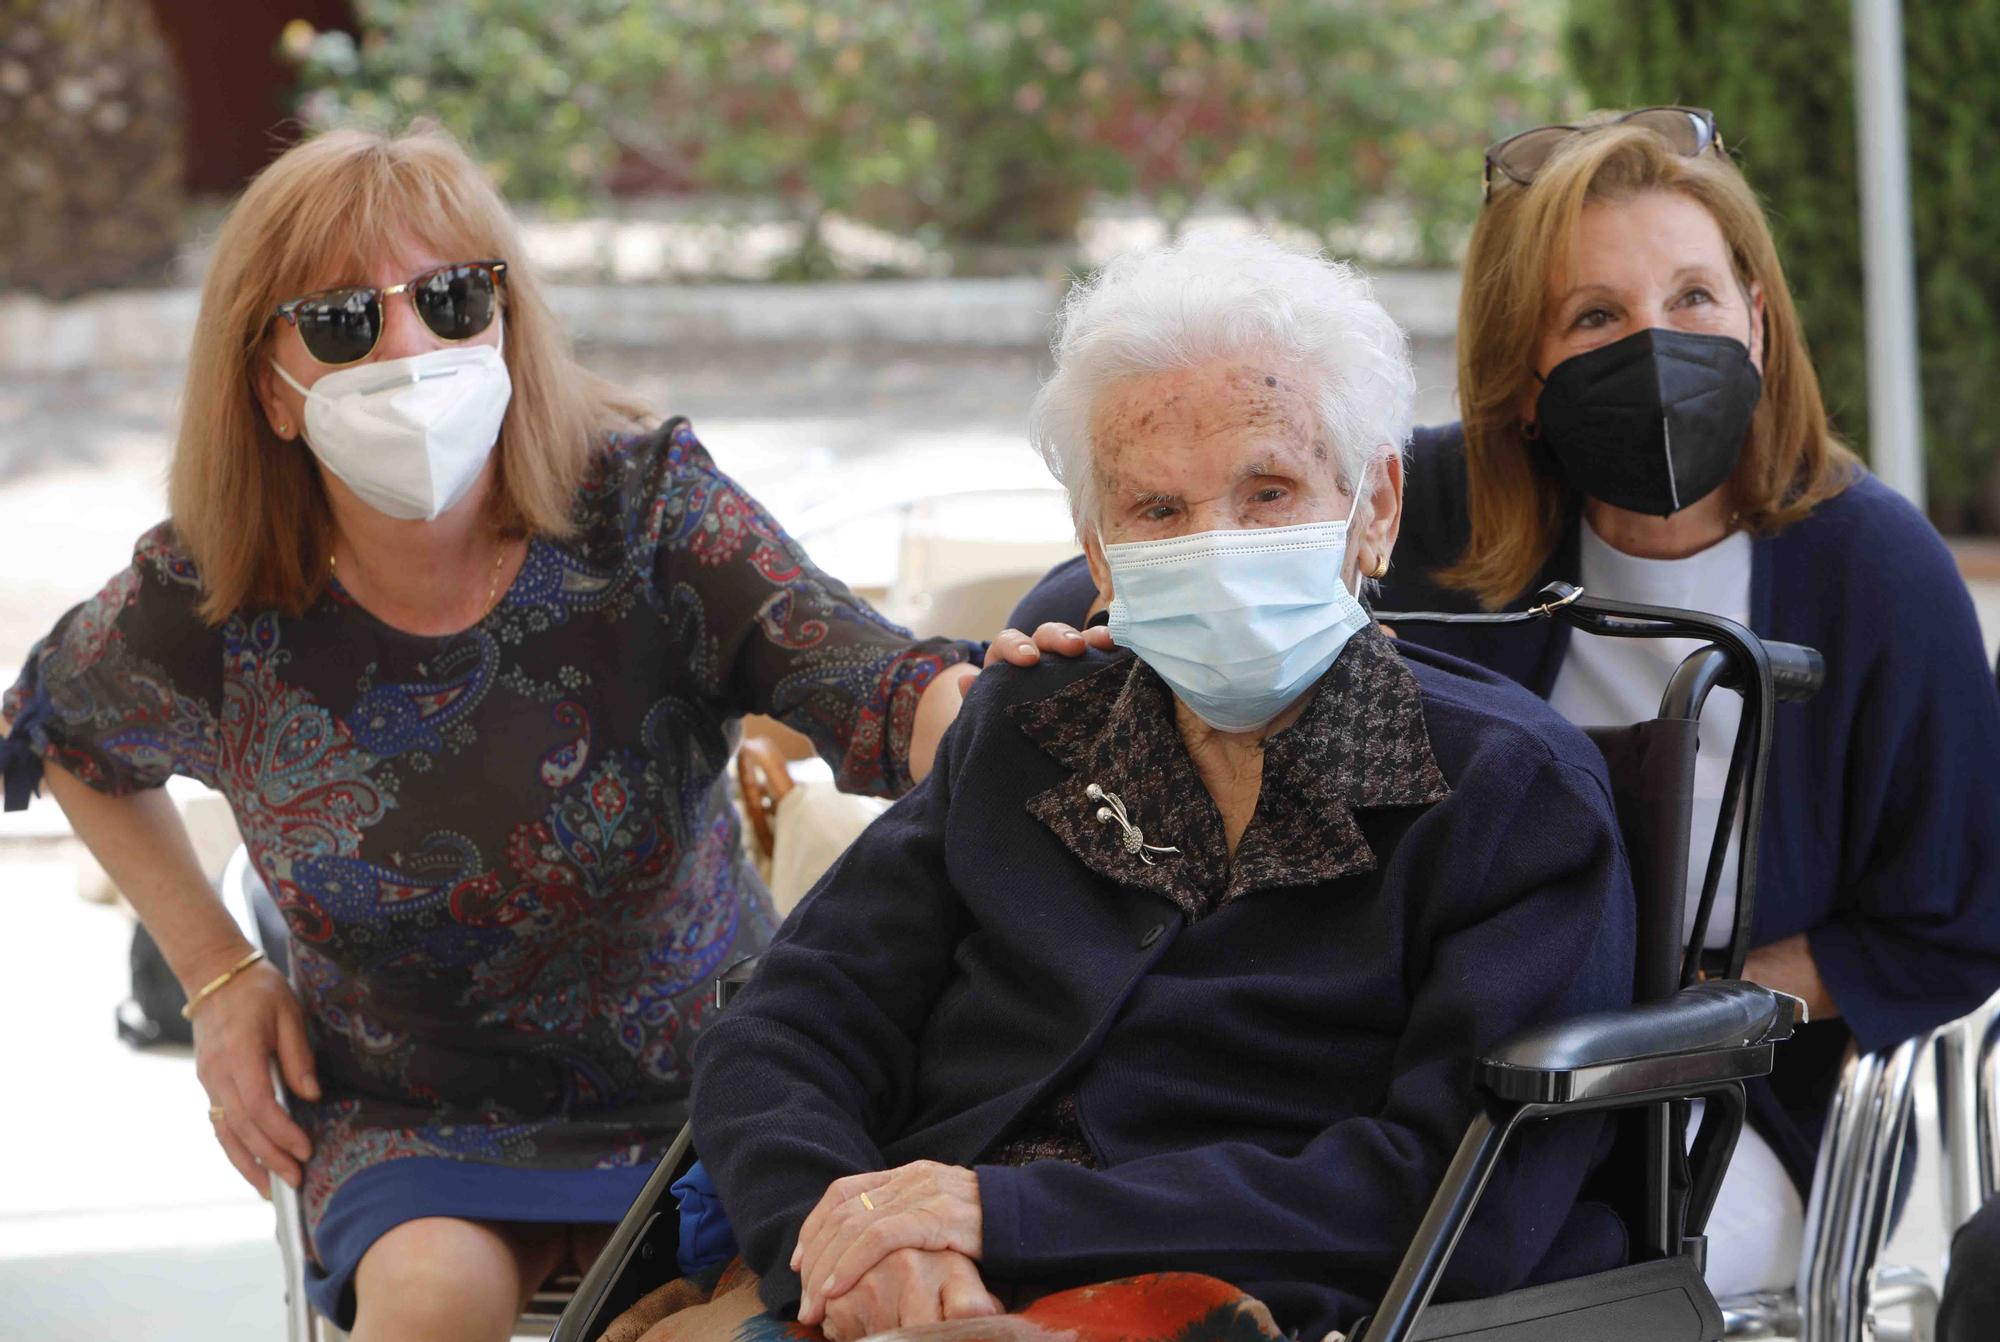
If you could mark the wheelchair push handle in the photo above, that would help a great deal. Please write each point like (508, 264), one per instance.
(1797, 672)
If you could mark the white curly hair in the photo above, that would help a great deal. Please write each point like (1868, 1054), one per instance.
(1215, 296)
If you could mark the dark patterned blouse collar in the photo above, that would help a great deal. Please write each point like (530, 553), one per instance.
(1361, 742)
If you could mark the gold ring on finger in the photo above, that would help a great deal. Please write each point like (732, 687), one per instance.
(866, 1202)
(215, 1113)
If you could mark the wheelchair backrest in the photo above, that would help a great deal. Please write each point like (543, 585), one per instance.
(1651, 765)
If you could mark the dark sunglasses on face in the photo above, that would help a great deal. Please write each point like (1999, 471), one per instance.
(1690, 130)
(456, 302)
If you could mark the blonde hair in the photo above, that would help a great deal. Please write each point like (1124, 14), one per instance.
(1792, 461)
(249, 506)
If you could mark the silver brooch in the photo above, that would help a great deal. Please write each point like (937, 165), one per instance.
(1134, 838)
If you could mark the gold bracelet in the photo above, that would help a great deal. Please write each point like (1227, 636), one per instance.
(208, 989)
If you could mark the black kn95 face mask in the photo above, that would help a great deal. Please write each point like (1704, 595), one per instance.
(1653, 422)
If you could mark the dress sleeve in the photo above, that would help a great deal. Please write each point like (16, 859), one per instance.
(126, 690)
(767, 632)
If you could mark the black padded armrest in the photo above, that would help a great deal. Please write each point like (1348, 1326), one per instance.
(1729, 1013)
(1701, 1034)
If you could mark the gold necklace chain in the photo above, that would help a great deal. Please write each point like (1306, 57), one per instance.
(492, 587)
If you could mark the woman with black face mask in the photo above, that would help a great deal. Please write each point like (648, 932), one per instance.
(1642, 418)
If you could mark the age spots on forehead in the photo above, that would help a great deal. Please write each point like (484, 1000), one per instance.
(1209, 404)
(1193, 432)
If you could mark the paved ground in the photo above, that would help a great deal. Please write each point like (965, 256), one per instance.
(119, 1217)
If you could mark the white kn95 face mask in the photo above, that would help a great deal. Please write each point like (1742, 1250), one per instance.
(409, 436)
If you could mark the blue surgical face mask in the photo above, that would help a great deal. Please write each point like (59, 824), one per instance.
(1238, 623)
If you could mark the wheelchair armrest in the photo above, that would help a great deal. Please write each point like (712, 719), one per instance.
(735, 979)
(1708, 1034)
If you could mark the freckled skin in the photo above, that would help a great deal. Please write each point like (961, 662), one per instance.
(1225, 446)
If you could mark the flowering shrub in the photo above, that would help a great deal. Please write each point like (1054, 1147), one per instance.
(981, 121)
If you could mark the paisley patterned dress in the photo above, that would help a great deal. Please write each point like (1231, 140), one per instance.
(506, 857)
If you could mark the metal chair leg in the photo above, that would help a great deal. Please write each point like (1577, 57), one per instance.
(1986, 1099)
(1884, 1121)
(1828, 1210)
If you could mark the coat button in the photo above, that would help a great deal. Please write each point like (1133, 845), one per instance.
(1152, 935)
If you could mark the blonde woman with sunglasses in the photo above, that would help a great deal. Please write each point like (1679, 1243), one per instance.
(462, 635)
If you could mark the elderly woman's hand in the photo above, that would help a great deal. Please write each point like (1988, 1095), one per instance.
(864, 1218)
(237, 1031)
(1017, 649)
(909, 1287)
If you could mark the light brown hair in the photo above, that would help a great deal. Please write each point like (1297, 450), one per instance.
(1517, 504)
(249, 506)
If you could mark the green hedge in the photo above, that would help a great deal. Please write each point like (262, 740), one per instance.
(1779, 75)
(971, 121)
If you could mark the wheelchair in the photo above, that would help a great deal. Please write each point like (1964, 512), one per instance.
(1681, 1040)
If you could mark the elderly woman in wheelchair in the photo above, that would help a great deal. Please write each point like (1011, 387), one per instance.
(1155, 1009)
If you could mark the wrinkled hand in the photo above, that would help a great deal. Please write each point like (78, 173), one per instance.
(1017, 649)
(910, 1286)
(236, 1033)
(923, 1205)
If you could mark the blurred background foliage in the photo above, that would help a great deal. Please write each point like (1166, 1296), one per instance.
(984, 130)
(977, 123)
(1779, 75)
(86, 81)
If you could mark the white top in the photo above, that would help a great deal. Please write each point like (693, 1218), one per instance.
(1613, 681)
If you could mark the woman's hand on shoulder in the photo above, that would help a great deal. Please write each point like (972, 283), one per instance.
(237, 1032)
(940, 703)
(1017, 649)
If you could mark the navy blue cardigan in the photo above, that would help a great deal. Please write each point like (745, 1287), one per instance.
(1273, 1090)
(1881, 834)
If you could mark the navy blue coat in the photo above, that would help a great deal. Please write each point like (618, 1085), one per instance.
(1273, 1090)
(1881, 833)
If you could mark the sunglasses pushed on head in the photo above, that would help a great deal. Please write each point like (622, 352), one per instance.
(1691, 131)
